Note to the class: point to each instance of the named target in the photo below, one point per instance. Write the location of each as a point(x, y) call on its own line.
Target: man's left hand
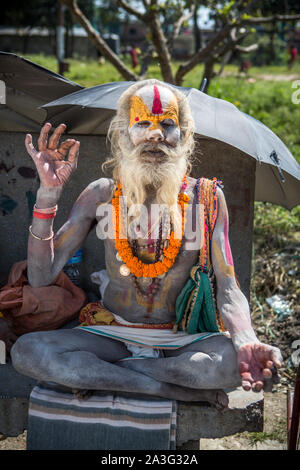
point(258, 364)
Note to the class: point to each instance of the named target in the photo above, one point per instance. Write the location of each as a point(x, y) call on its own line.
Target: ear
point(184, 135)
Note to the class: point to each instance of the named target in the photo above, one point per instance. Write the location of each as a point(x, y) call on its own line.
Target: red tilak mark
point(137, 119)
point(156, 107)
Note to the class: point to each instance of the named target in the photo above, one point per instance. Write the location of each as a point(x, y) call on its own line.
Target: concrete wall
point(40, 44)
point(19, 183)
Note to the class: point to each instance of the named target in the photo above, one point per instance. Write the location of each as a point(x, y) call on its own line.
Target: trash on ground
point(279, 306)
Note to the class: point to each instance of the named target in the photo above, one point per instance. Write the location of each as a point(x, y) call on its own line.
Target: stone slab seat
point(194, 420)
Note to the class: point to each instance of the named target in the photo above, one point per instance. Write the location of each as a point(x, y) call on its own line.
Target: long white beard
point(165, 176)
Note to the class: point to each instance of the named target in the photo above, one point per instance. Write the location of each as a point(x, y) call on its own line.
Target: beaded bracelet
point(40, 238)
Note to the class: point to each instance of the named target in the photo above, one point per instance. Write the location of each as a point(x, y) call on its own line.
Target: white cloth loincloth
point(141, 342)
point(153, 338)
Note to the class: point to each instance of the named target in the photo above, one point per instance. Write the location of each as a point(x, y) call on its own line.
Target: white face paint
point(154, 119)
point(154, 156)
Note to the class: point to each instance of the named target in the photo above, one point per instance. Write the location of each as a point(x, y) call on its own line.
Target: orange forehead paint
point(139, 111)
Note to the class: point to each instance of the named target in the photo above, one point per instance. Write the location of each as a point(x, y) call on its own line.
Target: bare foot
point(222, 400)
point(216, 398)
point(82, 394)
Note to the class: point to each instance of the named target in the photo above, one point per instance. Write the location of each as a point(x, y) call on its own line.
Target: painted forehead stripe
point(156, 107)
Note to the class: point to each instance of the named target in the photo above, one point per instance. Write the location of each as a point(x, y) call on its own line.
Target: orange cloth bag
point(39, 308)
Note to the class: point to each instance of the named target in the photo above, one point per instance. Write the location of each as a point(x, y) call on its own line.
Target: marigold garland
point(136, 266)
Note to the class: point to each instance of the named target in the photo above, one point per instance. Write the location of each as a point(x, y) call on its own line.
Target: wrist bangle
point(40, 238)
point(48, 210)
point(39, 215)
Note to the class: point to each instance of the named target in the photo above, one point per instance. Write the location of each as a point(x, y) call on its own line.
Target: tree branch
point(269, 19)
point(97, 40)
point(183, 69)
point(232, 44)
point(150, 18)
point(131, 10)
point(177, 25)
point(161, 47)
point(203, 53)
point(247, 49)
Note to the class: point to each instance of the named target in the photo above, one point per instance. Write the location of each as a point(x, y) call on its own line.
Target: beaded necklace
point(147, 287)
point(132, 265)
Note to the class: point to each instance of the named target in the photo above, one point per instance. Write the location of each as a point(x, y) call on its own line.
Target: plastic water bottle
point(73, 267)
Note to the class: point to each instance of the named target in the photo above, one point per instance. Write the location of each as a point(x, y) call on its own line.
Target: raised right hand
point(53, 170)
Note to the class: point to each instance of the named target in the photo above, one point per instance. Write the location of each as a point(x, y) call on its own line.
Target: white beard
point(164, 176)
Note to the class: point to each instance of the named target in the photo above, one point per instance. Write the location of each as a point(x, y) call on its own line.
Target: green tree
point(233, 19)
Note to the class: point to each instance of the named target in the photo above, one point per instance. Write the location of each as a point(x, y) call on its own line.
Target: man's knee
point(29, 352)
point(222, 358)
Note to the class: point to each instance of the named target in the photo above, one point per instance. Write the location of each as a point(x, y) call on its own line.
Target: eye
point(168, 123)
point(144, 123)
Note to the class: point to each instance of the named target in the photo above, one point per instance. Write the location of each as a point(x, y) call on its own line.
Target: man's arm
point(55, 163)
point(257, 361)
point(231, 302)
point(46, 258)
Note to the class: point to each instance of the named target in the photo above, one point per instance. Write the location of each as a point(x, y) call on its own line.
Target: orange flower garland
point(136, 266)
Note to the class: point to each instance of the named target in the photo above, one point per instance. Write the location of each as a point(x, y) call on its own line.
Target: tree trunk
point(272, 48)
point(226, 59)
point(160, 44)
point(146, 60)
point(26, 38)
point(197, 32)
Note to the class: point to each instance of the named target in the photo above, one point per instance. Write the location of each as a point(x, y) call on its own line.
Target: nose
point(155, 135)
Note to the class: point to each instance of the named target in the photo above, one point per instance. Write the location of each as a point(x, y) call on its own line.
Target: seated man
point(152, 144)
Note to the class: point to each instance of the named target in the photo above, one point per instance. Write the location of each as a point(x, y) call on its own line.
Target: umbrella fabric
point(97, 106)
point(277, 172)
point(28, 86)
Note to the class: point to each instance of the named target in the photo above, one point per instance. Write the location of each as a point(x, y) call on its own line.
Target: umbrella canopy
point(277, 172)
point(27, 87)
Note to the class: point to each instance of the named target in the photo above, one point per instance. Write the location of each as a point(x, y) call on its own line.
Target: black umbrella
point(25, 87)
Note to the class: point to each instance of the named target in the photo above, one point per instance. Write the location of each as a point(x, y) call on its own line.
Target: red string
point(38, 215)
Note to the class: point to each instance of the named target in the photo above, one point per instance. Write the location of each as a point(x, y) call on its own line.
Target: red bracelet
point(38, 215)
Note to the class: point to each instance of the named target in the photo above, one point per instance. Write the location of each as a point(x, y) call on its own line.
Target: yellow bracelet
point(40, 238)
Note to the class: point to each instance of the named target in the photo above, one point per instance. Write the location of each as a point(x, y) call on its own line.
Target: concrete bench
point(194, 420)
